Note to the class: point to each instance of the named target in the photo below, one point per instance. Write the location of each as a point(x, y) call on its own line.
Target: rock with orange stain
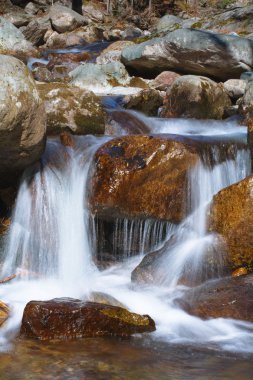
point(4, 312)
point(240, 272)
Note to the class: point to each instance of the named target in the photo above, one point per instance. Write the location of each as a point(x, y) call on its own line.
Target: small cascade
point(123, 238)
point(49, 235)
point(194, 255)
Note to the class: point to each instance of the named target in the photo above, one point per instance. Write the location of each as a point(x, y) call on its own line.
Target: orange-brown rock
point(240, 272)
point(68, 318)
point(231, 216)
point(141, 176)
point(225, 298)
point(4, 313)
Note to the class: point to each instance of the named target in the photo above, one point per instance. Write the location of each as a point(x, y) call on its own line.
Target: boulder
point(17, 17)
point(4, 313)
point(224, 298)
point(191, 96)
point(146, 101)
point(64, 19)
point(164, 80)
point(130, 170)
point(192, 52)
point(68, 318)
point(235, 88)
point(13, 42)
point(99, 77)
point(68, 108)
point(231, 216)
point(246, 103)
point(23, 123)
point(55, 40)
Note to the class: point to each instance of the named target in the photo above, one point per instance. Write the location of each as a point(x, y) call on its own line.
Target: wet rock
point(240, 272)
point(23, 126)
point(146, 101)
point(113, 52)
point(130, 170)
point(106, 299)
point(4, 313)
point(235, 88)
point(124, 123)
point(164, 80)
point(225, 298)
point(191, 51)
point(68, 108)
point(231, 216)
point(155, 267)
point(13, 42)
point(65, 19)
point(67, 318)
point(191, 96)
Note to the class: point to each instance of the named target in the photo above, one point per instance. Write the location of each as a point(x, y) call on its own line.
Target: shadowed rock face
point(231, 216)
point(226, 298)
point(141, 176)
point(68, 318)
point(192, 51)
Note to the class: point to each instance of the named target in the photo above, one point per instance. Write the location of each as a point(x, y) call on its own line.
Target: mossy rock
point(70, 108)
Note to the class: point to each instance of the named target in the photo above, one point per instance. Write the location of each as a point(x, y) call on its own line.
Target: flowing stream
point(51, 242)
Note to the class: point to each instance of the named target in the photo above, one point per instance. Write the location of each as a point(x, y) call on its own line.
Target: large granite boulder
point(68, 108)
point(23, 122)
point(68, 318)
point(192, 52)
point(191, 96)
point(230, 297)
point(141, 176)
point(231, 216)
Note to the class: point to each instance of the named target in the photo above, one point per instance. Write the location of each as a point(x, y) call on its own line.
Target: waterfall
point(49, 235)
point(194, 255)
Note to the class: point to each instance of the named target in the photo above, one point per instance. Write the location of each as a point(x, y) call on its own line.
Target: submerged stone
point(68, 318)
point(4, 313)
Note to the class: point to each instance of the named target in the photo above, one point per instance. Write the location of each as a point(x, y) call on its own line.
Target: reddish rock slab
point(68, 318)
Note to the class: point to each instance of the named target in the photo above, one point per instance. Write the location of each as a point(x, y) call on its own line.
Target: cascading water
point(193, 249)
point(50, 242)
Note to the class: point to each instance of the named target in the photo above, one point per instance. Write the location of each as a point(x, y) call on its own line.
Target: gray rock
point(23, 124)
point(246, 103)
point(192, 51)
point(17, 17)
point(92, 76)
point(168, 23)
point(65, 20)
point(235, 87)
point(12, 40)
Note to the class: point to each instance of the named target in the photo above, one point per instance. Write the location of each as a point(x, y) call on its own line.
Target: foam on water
point(49, 240)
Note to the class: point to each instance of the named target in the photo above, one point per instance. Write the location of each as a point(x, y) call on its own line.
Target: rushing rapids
point(52, 245)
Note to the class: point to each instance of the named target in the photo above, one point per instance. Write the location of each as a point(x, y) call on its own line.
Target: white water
point(49, 241)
